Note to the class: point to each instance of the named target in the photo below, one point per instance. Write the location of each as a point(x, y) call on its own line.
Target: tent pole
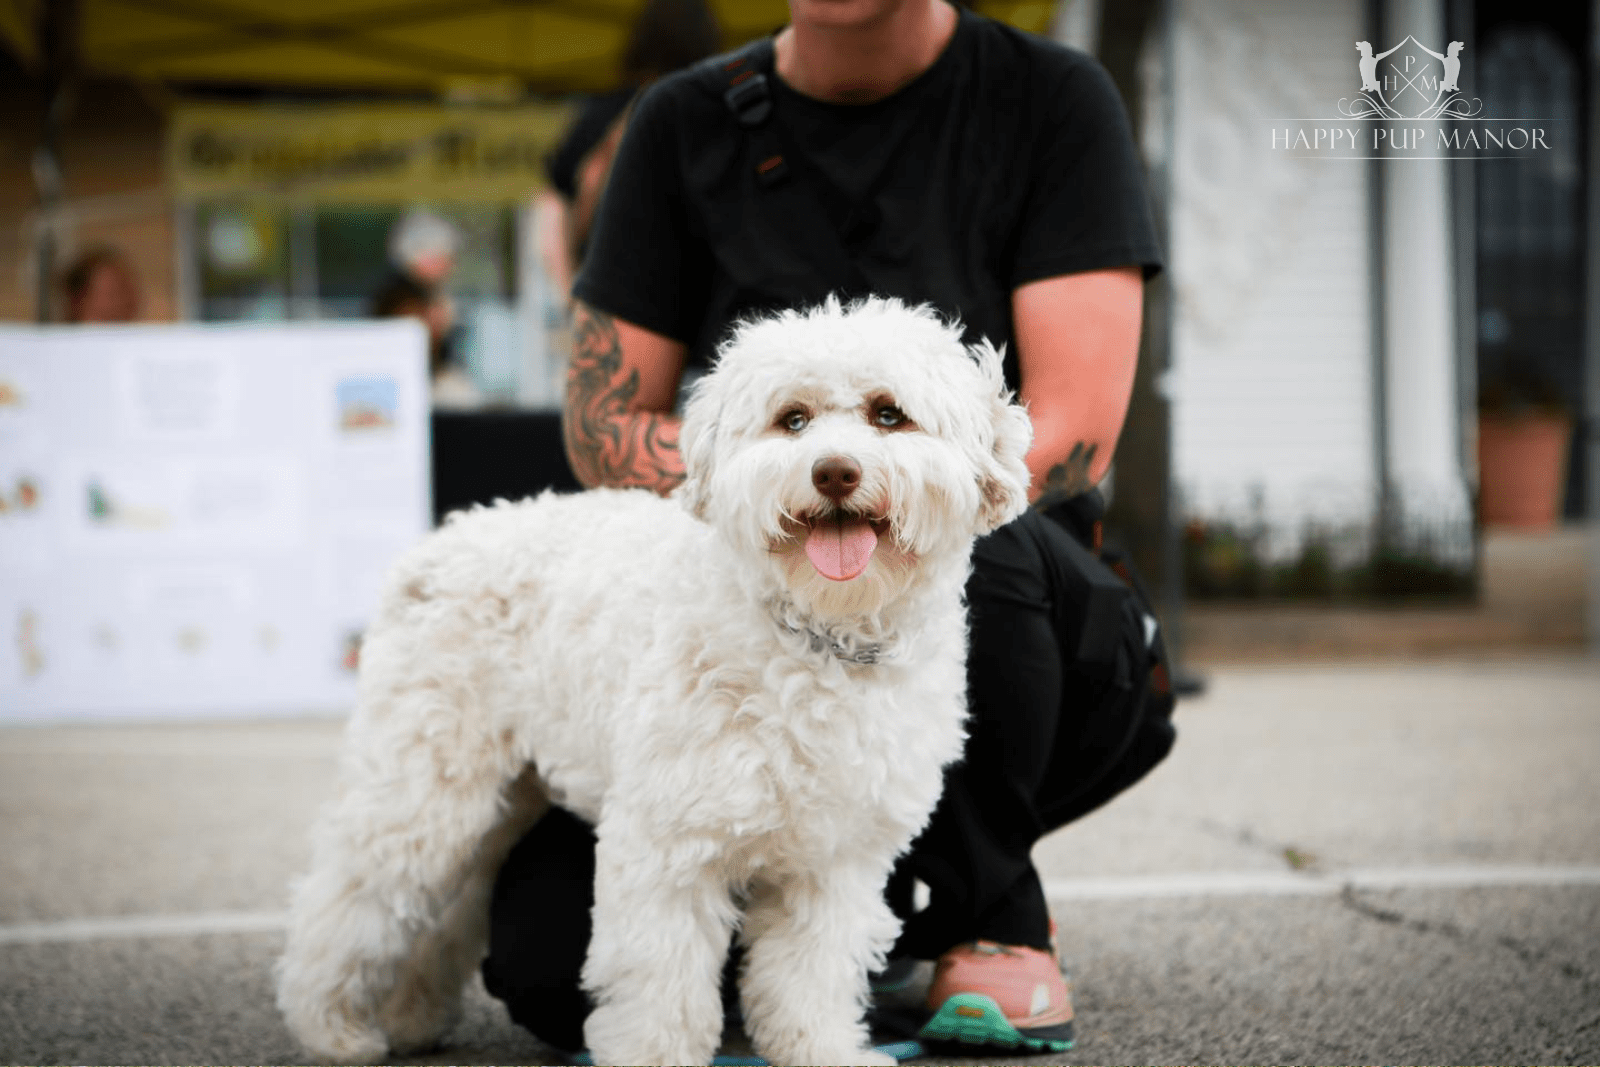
point(1590, 422)
point(58, 39)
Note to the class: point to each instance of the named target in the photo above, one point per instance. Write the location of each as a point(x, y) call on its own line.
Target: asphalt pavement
point(1394, 863)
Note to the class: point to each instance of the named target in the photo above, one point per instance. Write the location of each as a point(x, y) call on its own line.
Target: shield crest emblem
point(1407, 81)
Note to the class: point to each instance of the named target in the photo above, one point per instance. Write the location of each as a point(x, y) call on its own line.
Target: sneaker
point(1000, 996)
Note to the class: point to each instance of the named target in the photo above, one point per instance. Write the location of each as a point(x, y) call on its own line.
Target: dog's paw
point(350, 1046)
point(416, 1022)
point(415, 1045)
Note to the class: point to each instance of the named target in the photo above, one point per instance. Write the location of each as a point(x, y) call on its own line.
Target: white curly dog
point(750, 689)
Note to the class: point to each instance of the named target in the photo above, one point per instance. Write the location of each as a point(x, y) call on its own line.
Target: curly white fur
point(681, 675)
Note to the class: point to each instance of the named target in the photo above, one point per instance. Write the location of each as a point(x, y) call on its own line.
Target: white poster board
point(194, 520)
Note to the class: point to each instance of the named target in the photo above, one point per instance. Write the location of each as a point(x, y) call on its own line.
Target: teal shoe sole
point(974, 1019)
point(900, 1050)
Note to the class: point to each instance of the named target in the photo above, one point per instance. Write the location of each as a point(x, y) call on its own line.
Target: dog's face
point(849, 449)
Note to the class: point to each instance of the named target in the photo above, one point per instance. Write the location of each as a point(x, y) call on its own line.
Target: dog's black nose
point(836, 477)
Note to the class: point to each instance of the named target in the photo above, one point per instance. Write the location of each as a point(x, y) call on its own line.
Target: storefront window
point(351, 249)
point(275, 263)
point(243, 260)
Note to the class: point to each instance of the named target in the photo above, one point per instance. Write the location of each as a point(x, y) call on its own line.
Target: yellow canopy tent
point(460, 50)
point(548, 46)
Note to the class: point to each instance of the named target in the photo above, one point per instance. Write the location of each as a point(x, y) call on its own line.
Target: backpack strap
point(740, 78)
point(743, 81)
point(749, 97)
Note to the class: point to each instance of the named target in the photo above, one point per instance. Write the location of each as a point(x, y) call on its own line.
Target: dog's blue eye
point(888, 416)
point(794, 421)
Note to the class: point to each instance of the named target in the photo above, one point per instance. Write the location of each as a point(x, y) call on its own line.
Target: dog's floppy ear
point(1002, 473)
point(697, 442)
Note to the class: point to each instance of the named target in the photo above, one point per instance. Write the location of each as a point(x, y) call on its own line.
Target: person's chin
point(842, 14)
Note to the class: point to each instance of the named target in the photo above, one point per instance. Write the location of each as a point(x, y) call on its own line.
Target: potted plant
point(1524, 433)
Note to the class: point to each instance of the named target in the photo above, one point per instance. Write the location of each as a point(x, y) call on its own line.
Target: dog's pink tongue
point(840, 548)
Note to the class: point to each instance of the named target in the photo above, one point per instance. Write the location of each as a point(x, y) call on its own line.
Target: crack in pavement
point(1530, 955)
point(1293, 856)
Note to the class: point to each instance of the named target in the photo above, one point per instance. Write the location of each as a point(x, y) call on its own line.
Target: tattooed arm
point(616, 417)
point(1077, 339)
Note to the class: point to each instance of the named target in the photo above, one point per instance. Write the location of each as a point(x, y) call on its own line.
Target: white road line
point(125, 926)
point(1143, 887)
point(1314, 883)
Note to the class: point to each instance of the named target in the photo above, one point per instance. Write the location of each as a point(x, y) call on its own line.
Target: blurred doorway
point(1530, 218)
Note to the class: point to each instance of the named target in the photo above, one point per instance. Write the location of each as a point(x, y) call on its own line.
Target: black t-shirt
point(1007, 161)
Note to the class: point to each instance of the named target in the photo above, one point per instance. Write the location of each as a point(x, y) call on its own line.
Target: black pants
point(1062, 719)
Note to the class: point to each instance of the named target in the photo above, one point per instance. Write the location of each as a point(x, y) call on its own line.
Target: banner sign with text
point(361, 153)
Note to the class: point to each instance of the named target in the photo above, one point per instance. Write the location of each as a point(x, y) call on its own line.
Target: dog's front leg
point(662, 924)
point(810, 944)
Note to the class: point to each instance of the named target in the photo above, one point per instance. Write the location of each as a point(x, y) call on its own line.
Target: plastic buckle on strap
point(771, 170)
point(749, 99)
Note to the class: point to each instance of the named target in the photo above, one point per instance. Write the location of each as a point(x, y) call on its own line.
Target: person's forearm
point(1063, 462)
point(1075, 431)
point(609, 442)
point(1078, 344)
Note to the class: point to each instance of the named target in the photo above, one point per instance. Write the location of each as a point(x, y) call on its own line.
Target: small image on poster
point(25, 533)
point(30, 643)
point(19, 493)
point(366, 405)
point(350, 651)
point(127, 496)
point(28, 449)
point(23, 365)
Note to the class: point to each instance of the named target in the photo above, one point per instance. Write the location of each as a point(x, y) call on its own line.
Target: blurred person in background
point(913, 149)
point(667, 36)
point(423, 248)
point(100, 286)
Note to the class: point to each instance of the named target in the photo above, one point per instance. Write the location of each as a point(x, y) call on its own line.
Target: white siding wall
point(1272, 370)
